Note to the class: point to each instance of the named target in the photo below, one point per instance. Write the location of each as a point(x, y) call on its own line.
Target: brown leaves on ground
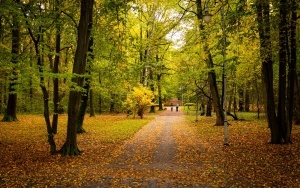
point(249, 161)
point(200, 159)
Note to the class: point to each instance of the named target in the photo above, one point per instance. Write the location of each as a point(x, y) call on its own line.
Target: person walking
point(171, 106)
point(177, 106)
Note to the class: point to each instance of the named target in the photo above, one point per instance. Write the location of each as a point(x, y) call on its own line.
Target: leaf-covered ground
point(171, 151)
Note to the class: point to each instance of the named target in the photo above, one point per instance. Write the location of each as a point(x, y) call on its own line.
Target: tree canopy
point(163, 45)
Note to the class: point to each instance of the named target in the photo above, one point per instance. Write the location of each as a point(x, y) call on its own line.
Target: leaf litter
point(193, 155)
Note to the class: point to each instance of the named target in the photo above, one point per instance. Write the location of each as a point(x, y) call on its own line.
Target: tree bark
point(84, 30)
point(247, 100)
point(112, 103)
point(55, 71)
point(282, 92)
point(216, 101)
point(92, 110)
point(85, 93)
point(291, 99)
point(152, 108)
point(160, 103)
point(263, 17)
point(208, 108)
point(11, 109)
point(83, 106)
point(100, 97)
point(215, 92)
point(297, 106)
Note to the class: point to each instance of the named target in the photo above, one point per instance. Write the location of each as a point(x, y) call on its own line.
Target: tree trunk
point(100, 104)
point(1, 96)
point(31, 82)
point(297, 106)
point(11, 109)
point(247, 100)
point(216, 101)
point(55, 71)
point(208, 108)
point(263, 17)
point(40, 64)
point(230, 103)
point(100, 97)
point(86, 87)
point(84, 30)
point(202, 108)
point(291, 99)
point(112, 103)
point(160, 103)
point(82, 108)
point(282, 92)
point(92, 111)
point(241, 100)
point(152, 108)
point(214, 92)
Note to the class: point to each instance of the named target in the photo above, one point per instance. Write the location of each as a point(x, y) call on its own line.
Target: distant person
point(177, 106)
point(171, 106)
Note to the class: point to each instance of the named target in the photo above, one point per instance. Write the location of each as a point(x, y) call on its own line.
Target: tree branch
point(76, 25)
point(202, 90)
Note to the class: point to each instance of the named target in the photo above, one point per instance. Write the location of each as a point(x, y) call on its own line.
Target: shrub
point(139, 100)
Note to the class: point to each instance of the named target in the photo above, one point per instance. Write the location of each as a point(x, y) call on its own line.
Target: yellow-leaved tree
point(139, 100)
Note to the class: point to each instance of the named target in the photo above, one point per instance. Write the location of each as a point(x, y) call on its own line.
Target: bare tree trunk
point(84, 30)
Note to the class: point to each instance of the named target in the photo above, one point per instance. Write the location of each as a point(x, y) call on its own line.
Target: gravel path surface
point(162, 154)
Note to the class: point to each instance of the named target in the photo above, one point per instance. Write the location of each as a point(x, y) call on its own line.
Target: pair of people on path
point(177, 106)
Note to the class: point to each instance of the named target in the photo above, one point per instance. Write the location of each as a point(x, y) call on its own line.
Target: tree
point(280, 124)
point(36, 30)
point(211, 74)
point(263, 18)
point(11, 109)
point(282, 92)
point(56, 69)
point(139, 100)
point(84, 31)
point(85, 93)
point(292, 66)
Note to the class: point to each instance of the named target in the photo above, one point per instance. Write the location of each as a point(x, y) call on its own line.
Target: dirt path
point(164, 153)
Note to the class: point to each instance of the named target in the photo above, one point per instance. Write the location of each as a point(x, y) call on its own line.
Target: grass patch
point(104, 128)
point(112, 129)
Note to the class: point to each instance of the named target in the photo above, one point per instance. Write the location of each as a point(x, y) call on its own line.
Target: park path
point(164, 153)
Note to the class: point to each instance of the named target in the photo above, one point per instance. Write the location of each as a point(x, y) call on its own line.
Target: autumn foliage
point(139, 100)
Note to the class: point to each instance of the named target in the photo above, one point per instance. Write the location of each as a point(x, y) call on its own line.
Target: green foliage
point(139, 100)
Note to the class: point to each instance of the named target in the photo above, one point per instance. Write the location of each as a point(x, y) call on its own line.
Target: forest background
point(55, 55)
